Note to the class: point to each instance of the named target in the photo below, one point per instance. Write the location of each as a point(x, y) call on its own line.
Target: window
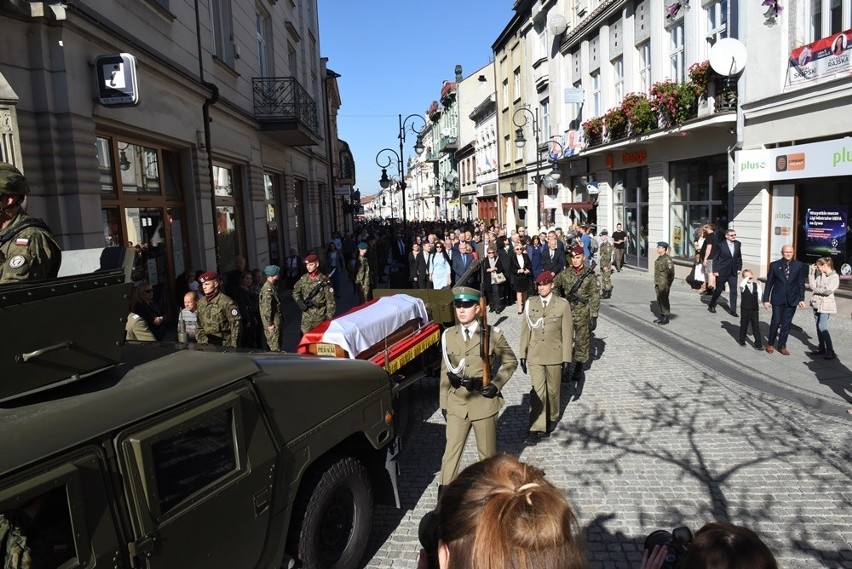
point(596, 94)
point(828, 17)
point(507, 149)
point(645, 67)
point(543, 44)
point(42, 525)
point(678, 69)
point(544, 114)
point(273, 217)
point(699, 195)
point(229, 228)
point(618, 78)
point(517, 92)
point(223, 34)
point(262, 33)
point(505, 93)
point(717, 21)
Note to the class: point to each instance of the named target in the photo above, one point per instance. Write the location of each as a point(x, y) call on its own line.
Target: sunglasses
point(464, 303)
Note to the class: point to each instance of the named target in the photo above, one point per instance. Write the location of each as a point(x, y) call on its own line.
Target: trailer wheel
point(333, 515)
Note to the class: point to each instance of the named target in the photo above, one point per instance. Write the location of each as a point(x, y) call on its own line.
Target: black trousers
point(494, 294)
point(750, 316)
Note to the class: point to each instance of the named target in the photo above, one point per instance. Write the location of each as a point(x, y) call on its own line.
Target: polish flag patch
point(22, 241)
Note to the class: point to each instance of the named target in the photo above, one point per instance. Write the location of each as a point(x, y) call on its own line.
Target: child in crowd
point(750, 293)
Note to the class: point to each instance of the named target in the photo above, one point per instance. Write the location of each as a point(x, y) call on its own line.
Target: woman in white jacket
point(823, 281)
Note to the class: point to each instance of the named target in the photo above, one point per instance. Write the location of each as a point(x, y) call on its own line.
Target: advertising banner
point(823, 59)
point(814, 160)
point(825, 231)
point(783, 219)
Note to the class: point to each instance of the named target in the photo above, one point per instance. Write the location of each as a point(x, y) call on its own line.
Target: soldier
point(663, 278)
point(585, 302)
point(218, 316)
point(466, 402)
point(270, 308)
point(547, 338)
point(28, 250)
point(605, 258)
point(314, 295)
point(363, 274)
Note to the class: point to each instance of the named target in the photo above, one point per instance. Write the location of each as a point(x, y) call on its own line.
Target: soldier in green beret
point(663, 279)
point(270, 308)
point(468, 403)
point(363, 274)
point(28, 250)
point(605, 251)
point(218, 316)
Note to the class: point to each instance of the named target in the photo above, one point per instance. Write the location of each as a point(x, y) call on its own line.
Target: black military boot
point(664, 319)
point(579, 379)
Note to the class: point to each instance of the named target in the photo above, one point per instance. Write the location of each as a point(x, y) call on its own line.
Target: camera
point(675, 542)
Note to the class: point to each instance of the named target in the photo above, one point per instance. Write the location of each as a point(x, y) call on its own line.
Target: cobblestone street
point(677, 425)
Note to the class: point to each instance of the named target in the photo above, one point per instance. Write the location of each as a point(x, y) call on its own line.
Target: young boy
point(749, 306)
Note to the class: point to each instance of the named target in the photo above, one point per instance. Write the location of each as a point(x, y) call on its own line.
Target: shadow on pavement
point(833, 374)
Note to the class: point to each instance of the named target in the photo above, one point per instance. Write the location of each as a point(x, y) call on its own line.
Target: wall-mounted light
point(123, 162)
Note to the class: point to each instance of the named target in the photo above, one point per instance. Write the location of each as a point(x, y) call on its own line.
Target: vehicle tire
point(332, 516)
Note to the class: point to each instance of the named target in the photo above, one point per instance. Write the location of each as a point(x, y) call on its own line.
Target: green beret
point(271, 270)
point(12, 181)
point(465, 293)
point(662, 244)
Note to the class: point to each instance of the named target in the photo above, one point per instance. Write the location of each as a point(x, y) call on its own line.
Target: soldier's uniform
point(469, 408)
point(547, 339)
point(218, 319)
point(363, 275)
point(605, 262)
point(136, 329)
point(663, 279)
point(270, 309)
point(584, 308)
point(321, 307)
point(28, 250)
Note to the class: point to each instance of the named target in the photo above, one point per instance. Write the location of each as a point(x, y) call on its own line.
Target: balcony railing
point(448, 144)
point(282, 104)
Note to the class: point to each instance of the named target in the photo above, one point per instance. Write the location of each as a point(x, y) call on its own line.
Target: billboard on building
point(823, 59)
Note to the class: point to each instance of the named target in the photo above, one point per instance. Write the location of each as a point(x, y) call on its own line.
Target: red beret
point(546, 277)
point(208, 276)
point(578, 250)
point(311, 258)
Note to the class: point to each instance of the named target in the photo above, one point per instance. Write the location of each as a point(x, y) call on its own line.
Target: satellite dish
point(728, 57)
point(557, 24)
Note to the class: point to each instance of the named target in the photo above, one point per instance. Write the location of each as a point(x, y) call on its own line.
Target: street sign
point(116, 76)
point(573, 95)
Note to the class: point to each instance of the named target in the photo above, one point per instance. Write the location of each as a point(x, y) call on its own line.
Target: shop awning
point(577, 205)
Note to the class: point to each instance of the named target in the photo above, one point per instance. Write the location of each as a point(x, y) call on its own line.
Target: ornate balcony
point(285, 110)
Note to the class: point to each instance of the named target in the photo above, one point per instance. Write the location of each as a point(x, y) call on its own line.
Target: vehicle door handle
point(261, 502)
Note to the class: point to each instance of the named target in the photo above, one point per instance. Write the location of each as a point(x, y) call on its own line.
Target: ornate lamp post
point(521, 117)
point(384, 181)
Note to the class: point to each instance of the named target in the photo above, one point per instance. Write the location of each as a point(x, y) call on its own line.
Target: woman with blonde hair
point(823, 281)
point(503, 514)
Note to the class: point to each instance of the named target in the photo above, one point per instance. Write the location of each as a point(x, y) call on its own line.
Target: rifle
point(485, 338)
point(571, 295)
point(471, 270)
point(306, 303)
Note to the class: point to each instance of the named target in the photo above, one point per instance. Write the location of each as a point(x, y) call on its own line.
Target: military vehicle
point(164, 455)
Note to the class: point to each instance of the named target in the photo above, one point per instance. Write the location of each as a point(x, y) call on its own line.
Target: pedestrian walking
point(705, 257)
point(547, 340)
point(363, 275)
point(578, 285)
point(823, 281)
point(28, 250)
point(751, 292)
point(727, 264)
point(663, 279)
point(270, 308)
point(314, 295)
point(467, 402)
point(496, 275)
point(520, 267)
point(218, 316)
point(605, 251)
point(785, 290)
point(619, 238)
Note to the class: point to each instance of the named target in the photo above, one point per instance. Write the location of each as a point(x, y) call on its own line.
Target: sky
point(393, 56)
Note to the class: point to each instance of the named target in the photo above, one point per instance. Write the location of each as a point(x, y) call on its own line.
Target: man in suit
point(547, 340)
point(727, 264)
point(461, 261)
point(466, 402)
point(417, 267)
point(552, 258)
point(785, 290)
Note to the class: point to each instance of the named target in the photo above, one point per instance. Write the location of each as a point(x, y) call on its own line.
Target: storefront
point(810, 196)
point(698, 195)
point(630, 209)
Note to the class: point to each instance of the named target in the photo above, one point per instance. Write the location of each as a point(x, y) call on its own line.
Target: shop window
point(110, 219)
point(273, 218)
point(823, 230)
point(229, 228)
point(698, 190)
point(105, 172)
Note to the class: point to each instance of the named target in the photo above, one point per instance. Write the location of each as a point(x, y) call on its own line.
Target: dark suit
point(784, 293)
point(726, 266)
point(555, 265)
point(417, 270)
point(460, 263)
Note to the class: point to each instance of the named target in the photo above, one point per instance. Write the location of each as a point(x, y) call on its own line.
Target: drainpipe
point(205, 114)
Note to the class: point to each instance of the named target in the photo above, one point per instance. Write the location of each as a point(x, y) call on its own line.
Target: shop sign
point(816, 160)
point(823, 59)
point(825, 231)
point(783, 217)
point(342, 190)
point(636, 157)
point(116, 80)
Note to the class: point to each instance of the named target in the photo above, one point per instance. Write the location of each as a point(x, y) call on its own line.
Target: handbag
point(499, 278)
point(698, 273)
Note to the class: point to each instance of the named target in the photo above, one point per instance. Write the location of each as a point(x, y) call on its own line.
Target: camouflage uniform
point(605, 258)
point(363, 278)
point(30, 253)
point(13, 544)
point(219, 322)
point(663, 278)
point(270, 315)
point(583, 310)
point(322, 305)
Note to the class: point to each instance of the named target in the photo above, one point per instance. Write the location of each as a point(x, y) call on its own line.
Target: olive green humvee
point(157, 455)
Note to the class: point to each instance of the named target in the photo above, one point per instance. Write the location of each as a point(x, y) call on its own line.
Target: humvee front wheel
point(333, 515)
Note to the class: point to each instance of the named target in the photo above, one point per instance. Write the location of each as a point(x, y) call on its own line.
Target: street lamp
point(384, 181)
point(521, 118)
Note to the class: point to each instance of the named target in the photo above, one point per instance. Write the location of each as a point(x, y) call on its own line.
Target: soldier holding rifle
point(314, 295)
point(477, 362)
point(579, 287)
